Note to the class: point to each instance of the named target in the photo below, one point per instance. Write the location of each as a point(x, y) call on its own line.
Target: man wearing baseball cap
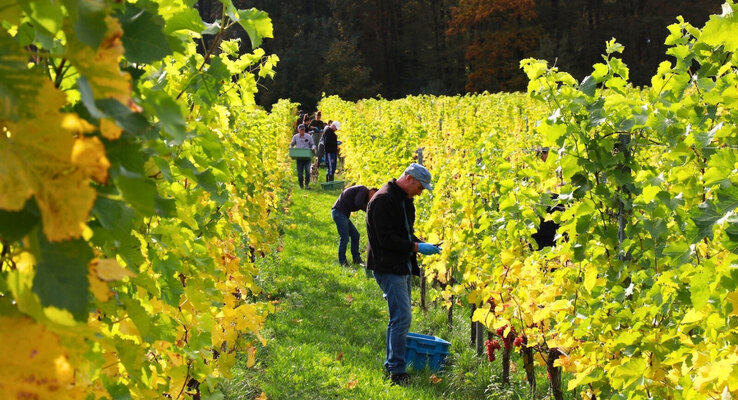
point(391, 255)
point(330, 139)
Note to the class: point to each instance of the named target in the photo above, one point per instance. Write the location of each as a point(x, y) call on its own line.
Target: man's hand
point(428, 249)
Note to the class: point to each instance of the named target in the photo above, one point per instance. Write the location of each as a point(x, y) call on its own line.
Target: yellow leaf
point(35, 364)
point(109, 270)
point(352, 384)
point(101, 66)
point(99, 289)
point(89, 154)
point(560, 305)
point(590, 278)
point(109, 129)
point(36, 160)
point(733, 300)
point(262, 396)
point(507, 257)
point(251, 353)
point(693, 316)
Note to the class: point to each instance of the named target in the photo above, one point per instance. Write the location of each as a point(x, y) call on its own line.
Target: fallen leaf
point(352, 384)
point(340, 356)
point(349, 299)
point(435, 380)
point(262, 396)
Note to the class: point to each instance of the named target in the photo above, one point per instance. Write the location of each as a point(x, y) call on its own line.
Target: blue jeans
point(303, 166)
point(396, 289)
point(330, 162)
point(346, 231)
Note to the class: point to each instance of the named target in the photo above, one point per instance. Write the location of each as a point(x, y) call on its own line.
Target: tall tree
point(500, 33)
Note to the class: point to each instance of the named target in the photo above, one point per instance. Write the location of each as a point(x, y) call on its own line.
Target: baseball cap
point(336, 124)
point(301, 126)
point(420, 173)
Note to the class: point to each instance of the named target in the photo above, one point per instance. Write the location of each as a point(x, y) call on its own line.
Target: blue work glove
point(428, 249)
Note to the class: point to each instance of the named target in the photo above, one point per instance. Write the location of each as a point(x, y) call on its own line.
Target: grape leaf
point(15, 225)
point(36, 159)
point(61, 275)
point(19, 86)
point(143, 37)
point(101, 65)
point(90, 23)
point(184, 19)
point(35, 363)
point(720, 30)
point(257, 24)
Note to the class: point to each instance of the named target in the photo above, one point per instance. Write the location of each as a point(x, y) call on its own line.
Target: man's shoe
point(402, 379)
point(343, 263)
point(359, 261)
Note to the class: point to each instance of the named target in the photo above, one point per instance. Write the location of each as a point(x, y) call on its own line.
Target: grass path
point(326, 339)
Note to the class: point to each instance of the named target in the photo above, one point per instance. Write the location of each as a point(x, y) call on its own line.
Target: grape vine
point(138, 182)
point(638, 297)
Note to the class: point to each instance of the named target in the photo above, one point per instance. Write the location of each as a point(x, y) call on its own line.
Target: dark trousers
point(303, 172)
point(330, 161)
point(346, 232)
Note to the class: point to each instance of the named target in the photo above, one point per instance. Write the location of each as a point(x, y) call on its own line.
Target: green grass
point(326, 339)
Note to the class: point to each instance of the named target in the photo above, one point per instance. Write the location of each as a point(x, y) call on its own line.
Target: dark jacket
point(331, 140)
point(390, 246)
point(352, 199)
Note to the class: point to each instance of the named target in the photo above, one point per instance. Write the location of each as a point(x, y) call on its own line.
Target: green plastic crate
point(332, 185)
point(301, 153)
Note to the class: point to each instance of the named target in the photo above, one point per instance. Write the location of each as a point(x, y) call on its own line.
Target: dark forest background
point(394, 48)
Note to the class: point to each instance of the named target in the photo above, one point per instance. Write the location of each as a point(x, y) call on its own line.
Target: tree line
point(394, 48)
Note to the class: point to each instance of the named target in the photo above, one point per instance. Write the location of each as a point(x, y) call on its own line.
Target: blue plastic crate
point(425, 350)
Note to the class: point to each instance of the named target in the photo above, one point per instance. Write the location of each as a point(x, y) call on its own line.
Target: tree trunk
point(554, 374)
point(530, 373)
point(506, 365)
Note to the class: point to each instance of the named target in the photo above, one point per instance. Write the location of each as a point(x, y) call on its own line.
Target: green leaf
point(15, 225)
point(143, 36)
point(90, 26)
point(46, 14)
point(18, 84)
point(699, 288)
point(588, 86)
point(207, 181)
point(12, 12)
point(720, 30)
point(169, 113)
point(61, 275)
point(165, 208)
point(720, 167)
point(140, 318)
point(127, 119)
point(257, 24)
point(139, 191)
point(118, 391)
point(186, 19)
point(113, 214)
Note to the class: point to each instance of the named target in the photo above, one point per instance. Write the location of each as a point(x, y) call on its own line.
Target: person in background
point(391, 255)
point(317, 124)
point(330, 139)
point(302, 140)
point(352, 199)
point(300, 117)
